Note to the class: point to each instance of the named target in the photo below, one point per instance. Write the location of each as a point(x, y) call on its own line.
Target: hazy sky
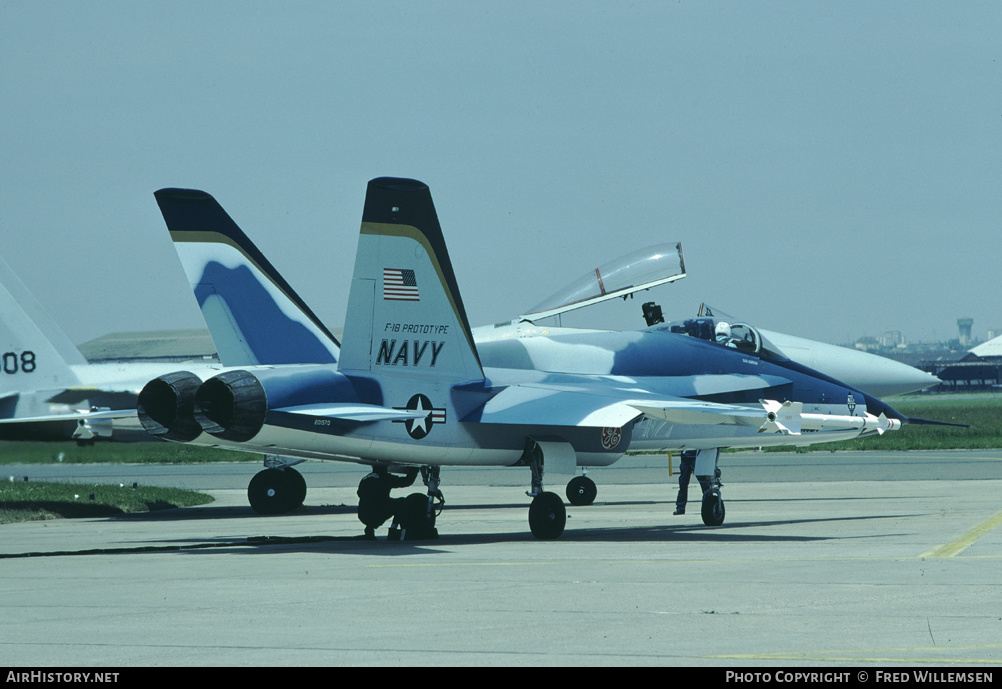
point(832, 169)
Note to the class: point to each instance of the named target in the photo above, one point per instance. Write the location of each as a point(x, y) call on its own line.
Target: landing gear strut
point(430, 476)
point(547, 514)
point(415, 521)
point(707, 472)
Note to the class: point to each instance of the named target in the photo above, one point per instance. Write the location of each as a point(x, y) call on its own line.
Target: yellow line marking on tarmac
point(958, 546)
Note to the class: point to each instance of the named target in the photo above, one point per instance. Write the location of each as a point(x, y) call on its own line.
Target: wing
point(615, 405)
point(609, 401)
point(536, 405)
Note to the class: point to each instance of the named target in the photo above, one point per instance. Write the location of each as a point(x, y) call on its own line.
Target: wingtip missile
point(788, 418)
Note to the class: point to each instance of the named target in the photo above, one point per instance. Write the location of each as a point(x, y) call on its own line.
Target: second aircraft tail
point(253, 314)
point(34, 352)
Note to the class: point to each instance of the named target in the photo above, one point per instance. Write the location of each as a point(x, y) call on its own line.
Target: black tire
point(547, 516)
point(271, 492)
point(713, 509)
point(581, 490)
point(414, 519)
point(413, 511)
point(298, 486)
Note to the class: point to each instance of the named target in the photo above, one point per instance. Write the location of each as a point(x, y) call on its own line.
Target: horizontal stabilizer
point(356, 412)
point(70, 416)
point(79, 393)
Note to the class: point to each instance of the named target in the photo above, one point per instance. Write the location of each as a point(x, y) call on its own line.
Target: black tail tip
point(398, 184)
point(399, 201)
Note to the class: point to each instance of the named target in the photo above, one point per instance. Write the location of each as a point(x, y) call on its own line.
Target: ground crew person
point(686, 467)
point(375, 505)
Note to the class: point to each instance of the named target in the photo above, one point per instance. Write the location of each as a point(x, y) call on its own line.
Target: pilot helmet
point(722, 330)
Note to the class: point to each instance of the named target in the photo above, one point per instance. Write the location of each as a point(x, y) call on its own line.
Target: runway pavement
point(886, 561)
point(739, 467)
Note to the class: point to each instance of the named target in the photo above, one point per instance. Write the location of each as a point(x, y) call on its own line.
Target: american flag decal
point(399, 285)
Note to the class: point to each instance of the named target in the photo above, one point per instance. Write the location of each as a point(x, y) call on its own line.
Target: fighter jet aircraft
point(410, 386)
point(48, 391)
point(643, 269)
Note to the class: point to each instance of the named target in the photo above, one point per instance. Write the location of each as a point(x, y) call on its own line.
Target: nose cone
point(886, 377)
point(875, 375)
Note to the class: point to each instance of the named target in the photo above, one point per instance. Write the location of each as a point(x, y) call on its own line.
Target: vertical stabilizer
point(34, 353)
point(405, 314)
point(253, 314)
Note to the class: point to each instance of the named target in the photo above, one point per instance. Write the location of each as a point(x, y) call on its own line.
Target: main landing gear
point(416, 521)
point(707, 472)
point(547, 514)
point(278, 489)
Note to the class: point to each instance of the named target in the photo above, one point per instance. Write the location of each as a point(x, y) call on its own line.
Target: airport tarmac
point(852, 559)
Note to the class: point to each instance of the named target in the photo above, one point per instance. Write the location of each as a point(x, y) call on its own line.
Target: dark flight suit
point(375, 505)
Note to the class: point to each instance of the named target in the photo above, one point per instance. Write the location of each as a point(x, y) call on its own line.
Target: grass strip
point(38, 500)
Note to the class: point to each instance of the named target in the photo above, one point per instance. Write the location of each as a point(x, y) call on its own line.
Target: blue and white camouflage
point(411, 383)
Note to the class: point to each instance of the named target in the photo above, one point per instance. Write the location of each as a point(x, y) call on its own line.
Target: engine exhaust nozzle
point(166, 407)
point(231, 406)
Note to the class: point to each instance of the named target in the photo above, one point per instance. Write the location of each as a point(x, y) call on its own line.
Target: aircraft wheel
point(298, 485)
point(713, 509)
point(414, 518)
point(547, 516)
point(581, 490)
point(271, 492)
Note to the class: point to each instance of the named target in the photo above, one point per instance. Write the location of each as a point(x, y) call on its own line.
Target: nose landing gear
point(581, 490)
point(713, 508)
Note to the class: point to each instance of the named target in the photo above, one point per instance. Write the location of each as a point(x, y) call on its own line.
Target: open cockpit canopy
point(638, 270)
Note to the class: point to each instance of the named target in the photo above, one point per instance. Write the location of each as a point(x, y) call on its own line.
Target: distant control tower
point(964, 324)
